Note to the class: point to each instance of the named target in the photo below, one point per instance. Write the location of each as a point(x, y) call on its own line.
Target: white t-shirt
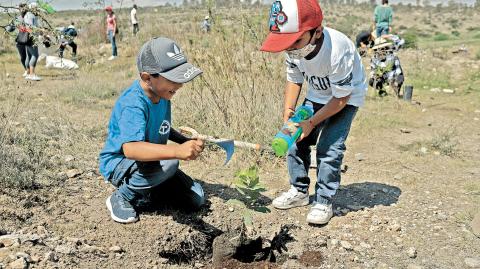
point(336, 71)
point(133, 16)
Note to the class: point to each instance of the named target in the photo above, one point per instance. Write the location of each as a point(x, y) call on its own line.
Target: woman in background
point(21, 45)
point(111, 30)
point(31, 22)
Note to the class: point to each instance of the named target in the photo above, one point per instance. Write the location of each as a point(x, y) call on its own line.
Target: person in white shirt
point(336, 86)
point(134, 20)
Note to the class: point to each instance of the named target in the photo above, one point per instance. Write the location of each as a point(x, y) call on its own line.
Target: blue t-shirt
point(134, 118)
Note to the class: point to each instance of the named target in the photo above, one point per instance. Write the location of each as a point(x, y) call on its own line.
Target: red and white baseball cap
point(289, 19)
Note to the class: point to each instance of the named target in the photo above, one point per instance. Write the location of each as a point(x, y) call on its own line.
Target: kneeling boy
point(136, 158)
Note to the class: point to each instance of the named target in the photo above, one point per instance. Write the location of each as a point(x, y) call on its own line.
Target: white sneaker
point(33, 77)
point(291, 198)
point(25, 74)
point(320, 214)
point(111, 58)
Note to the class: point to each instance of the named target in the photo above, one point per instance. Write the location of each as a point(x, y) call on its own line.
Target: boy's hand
point(189, 150)
point(307, 127)
point(287, 114)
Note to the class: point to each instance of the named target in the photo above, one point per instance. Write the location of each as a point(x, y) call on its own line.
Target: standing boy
point(136, 157)
point(328, 61)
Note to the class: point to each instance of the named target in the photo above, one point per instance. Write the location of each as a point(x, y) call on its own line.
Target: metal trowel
point(227, 144)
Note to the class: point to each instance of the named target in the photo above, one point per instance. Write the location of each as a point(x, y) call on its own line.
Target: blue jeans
point(111, 37)
point(330, 149)
point(382, 30)
point(161, 182)
point(32, 56)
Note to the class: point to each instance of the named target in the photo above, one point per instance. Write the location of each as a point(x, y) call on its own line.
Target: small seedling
point(247, 183)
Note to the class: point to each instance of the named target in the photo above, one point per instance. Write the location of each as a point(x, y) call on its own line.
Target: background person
point(111, 31)
point(206, 24)
point(134, 20)
point(31, 22)
point(21, 44)
point(67, 39)
point(364, 41)
point(383, 18)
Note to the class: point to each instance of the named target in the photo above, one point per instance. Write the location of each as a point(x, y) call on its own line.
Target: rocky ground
point(403, 203)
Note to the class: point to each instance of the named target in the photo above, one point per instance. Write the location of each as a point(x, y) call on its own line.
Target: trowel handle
point(247, 145)
point(194, 134)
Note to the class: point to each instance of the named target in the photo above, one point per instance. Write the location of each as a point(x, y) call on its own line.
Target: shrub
point(441, 37)
point(22, 151)
point(410, 39)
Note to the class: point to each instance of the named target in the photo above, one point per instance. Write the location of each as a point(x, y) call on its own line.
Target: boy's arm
point(114, 25)
point(390, 18)
point(292, 91)
point(292, 88)
point(177, 137)
point(146, 152)
point(332, 107)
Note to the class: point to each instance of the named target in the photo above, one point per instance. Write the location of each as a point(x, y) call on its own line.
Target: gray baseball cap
point(163, 56)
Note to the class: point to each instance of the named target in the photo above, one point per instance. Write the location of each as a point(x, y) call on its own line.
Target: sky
point(79, 4)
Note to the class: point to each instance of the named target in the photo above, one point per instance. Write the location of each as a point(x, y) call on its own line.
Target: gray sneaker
point(120, 209)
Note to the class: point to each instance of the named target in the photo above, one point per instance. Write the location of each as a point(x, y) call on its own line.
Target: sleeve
point(390, 17)
point(293, 72)
point(132, 125)
point(342, 75)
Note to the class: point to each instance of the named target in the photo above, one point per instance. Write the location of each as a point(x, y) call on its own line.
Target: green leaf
point(262, 209)
point(259, 188)
point(241, 184)
point(252, 172)
point(240, 190)
point(236, 202)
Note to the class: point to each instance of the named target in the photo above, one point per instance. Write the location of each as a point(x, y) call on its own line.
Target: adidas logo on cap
point(177, 54)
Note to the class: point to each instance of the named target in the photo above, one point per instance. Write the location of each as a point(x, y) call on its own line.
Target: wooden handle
point(194, 134)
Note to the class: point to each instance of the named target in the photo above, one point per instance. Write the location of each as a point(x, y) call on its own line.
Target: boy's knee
point(169, 167)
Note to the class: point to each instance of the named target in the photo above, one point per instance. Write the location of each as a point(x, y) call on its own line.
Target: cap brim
point(182, 73)
point(276, 42)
